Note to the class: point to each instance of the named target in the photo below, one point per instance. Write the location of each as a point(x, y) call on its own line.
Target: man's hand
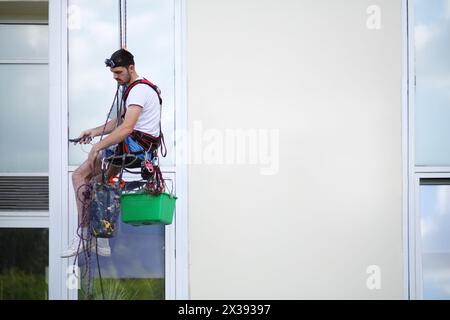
point(87, 136)
point(92, 157)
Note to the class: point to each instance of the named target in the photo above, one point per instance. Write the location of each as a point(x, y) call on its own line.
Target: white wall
point(313, 70)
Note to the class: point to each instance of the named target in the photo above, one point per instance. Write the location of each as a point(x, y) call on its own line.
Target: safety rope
point(120, 24)
point(123, 24)
point(84, 227)
point(85, 237)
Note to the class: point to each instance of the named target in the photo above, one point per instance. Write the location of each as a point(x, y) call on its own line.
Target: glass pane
point(24, 11)
point(23, 264)
point(134, 271)
point(24, 42)
point(151, 39)
point(24, 121)
point(91, 86)
point(432, 49)
point(435, 244)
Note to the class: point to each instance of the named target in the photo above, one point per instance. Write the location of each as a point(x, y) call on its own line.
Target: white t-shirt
point(143, 95)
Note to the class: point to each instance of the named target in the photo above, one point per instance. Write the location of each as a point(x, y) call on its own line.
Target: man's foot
point(103, 247)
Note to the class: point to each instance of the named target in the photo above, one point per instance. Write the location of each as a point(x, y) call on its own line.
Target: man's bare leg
point(82, 176)
point(80, 179)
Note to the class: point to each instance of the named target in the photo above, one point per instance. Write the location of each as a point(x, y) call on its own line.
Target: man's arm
point(118, 134)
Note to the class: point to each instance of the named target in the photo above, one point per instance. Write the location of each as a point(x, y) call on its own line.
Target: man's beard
point(128, 78)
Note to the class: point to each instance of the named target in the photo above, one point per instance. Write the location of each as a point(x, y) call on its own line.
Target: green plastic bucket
point(144, 208)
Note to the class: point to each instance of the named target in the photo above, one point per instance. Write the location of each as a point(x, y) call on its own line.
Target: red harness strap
point(146, 140)
point(145, 81)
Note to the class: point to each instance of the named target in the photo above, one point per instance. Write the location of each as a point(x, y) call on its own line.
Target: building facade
point(306, 146)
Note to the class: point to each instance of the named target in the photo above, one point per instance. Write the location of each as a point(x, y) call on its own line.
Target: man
point(139, 131)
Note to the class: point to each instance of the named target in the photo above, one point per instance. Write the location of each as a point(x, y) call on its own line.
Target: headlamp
point(110, 63)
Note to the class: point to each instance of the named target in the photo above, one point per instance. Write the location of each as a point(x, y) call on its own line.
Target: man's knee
point(79, 176)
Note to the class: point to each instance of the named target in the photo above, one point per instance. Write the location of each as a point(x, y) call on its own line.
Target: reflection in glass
point(432, 67)
point(135, 269)
point(435, 244)
point(23, 264)
point(24, 42)
point(24, 122)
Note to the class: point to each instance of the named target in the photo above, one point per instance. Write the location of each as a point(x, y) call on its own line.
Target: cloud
point(431, 55)
point(435, 221)
point(440, 275)
point(443, 200)
point(427, 227)
point(423, 34)
point(37, 37)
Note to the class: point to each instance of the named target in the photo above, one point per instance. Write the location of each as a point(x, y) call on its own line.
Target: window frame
point(24, 219)
point(32, 219)
point(416, 252)
point(412, 230)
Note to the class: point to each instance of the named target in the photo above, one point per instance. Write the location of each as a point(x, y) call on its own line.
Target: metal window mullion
point(22, 61)
point(19, 22)
point(24, 222)
point(23, 174)
point(181, 175)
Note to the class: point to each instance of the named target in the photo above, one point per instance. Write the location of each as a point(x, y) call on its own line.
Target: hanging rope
point(120, 24)
point(123, 24)
point(84, 192)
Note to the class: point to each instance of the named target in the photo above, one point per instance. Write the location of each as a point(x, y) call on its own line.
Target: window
point(24, 243)
point(137, 266)
point(24, 86)
point(429, 210)
point(150, 37)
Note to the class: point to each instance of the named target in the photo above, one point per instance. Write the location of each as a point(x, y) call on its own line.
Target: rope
point(123, 24)
point(120, 23)
point(109, 113)
point(85, 197)
point(86, 239)
point(99, 272)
